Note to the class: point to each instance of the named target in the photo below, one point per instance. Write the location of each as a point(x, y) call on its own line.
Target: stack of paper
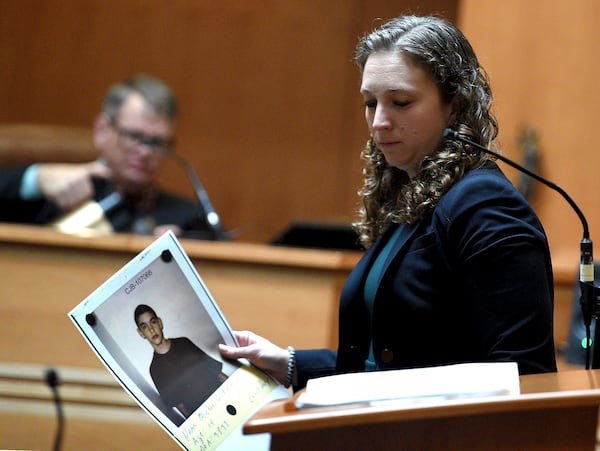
point(419, 384)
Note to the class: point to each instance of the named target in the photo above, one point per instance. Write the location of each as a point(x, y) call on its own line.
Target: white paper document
point(412, 385)
point(156, 328)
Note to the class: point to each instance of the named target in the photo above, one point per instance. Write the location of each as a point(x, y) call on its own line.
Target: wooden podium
point(556, 411)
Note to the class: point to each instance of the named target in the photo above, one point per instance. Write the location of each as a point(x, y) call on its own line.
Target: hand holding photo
point(157, 329)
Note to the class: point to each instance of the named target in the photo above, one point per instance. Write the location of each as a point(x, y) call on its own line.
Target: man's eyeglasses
point(135, 138)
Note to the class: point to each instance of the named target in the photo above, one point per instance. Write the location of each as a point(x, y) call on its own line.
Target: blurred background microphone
point(210, 215)
point(53, 382)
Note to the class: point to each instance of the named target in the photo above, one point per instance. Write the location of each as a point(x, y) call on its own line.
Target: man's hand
point(68, 185)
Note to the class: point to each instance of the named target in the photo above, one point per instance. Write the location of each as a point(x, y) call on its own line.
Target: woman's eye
point(370, 103)
point(401, 103)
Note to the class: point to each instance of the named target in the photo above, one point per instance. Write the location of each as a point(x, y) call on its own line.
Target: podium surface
point(556, 411)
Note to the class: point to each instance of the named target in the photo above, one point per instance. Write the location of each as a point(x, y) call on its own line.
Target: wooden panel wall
point(271, 116)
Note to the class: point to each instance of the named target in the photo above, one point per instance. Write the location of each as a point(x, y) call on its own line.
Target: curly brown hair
point(388, 195)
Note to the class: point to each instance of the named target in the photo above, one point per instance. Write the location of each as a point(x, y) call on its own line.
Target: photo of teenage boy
point(184, 375)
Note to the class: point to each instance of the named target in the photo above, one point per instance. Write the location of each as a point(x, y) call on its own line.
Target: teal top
point(372, 283)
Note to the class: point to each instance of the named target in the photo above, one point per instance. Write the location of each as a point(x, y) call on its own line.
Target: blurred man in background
point(134, 132)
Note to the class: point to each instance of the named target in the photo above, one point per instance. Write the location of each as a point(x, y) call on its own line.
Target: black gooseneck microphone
point(212, 218)
point(53, 382)
point(589, 292)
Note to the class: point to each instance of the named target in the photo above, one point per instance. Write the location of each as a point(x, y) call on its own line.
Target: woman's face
point(404, 110)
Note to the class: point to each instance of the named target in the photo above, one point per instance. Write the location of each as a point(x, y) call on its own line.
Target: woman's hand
point(261, 352)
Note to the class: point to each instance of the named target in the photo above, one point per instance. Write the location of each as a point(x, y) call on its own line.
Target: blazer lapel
point(401, 242)
point(399, 246)
point(358, 276)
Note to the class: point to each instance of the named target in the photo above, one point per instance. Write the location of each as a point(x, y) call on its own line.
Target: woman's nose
point(381, 119)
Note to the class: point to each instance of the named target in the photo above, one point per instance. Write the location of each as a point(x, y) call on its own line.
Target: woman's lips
point(387, 144)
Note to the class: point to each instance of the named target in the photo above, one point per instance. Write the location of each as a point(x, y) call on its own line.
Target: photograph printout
point(156, 327)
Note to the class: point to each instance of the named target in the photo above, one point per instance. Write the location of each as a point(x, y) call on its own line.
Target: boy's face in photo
point(150, 327)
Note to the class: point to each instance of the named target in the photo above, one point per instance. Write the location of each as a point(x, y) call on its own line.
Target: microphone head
point(52, 378)
point(449, 133)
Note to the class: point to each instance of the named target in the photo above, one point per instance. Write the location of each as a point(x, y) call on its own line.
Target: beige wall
point(271, 115)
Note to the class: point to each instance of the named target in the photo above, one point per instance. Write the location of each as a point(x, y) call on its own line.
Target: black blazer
point(472, 281)
point(12, 208)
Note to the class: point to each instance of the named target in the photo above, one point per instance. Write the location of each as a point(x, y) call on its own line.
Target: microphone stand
point(212, 218)
point(589, 291)
point(53, 382)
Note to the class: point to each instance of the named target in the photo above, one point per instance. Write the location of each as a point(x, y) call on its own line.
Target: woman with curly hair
point(457, 267)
